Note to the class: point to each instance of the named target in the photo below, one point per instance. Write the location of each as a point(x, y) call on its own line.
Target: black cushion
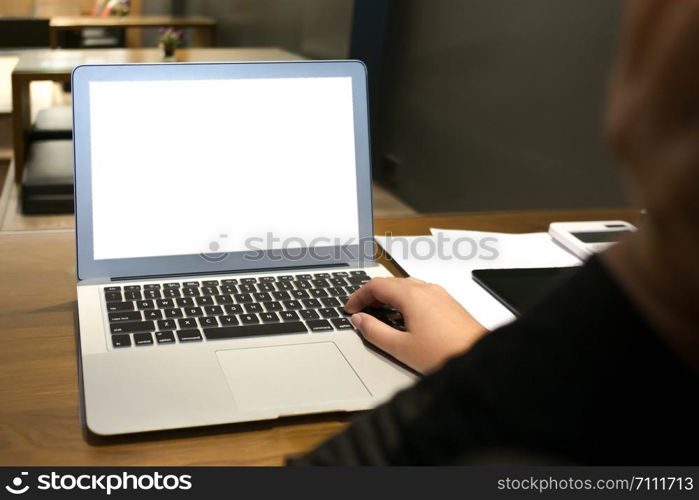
point(53, 123)
point(47, 184)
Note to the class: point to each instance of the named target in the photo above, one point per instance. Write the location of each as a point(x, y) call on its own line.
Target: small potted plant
point(168, 40)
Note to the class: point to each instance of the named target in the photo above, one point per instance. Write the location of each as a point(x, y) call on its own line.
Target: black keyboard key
point(328, 312)
point(262, 296)
point(185, 302)
point(284, 285)
point(166, 324)
point(269, 317)
point(152, 294)
point(340, 274)
point(286, 277)
point(331, 302)
point(145, 304)
point(338, 282)
point(273, 306)
point(121, 340)
point(152, 286)
point(351, 289)
point(165, 337)
point(336, 291)
point(132, 327)
point(248, 280)
point(209, 290)
point(299, 294)
point(267, 279)
point(247, 288)
point(309, 314)
point(343, 299)
point(288, 315)
point(113, 296)
point(112, 289)
point(358, 273)
point(173, 313)
point(115, 317)
point(341, 324)
point(193, 311)
point(321, 275)
point(172, 285)
point(255, 307)
point(311, 303)
point(303, 277)
point(265, 287)
point(191, 283)
point(143, 339)
point(131, 288)
point(152, 314)
point(187, 323)
point(318, 292)
point(133, 295)
point(230, 281)
point(358, 280)
point(208, 321)
point(205, 301)
point(210, 283)
point(171, 293)
point(319, 325)
point(233, 309)
point(189, 335)
point(190, 291)
point(229, 289)
point(120, 306)
point(254, 330)
point(292, 304)
point(224, 299)
point(242, 298)
point(248, 319)
point(303, 284)
point(281, 295)
point(165, 303)
point(213, 310)
point(228, 320)
point(320, 283)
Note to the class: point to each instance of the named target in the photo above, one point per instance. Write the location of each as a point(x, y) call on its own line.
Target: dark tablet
point(517, 289)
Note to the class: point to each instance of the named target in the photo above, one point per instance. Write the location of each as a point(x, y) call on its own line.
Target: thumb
point(379, 333)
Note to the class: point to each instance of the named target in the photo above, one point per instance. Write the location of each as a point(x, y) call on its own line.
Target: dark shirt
point(581, 378)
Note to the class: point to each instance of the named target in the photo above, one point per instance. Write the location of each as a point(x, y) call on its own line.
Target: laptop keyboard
point(194, 311)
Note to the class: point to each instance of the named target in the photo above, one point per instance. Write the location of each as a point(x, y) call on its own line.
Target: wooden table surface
point(39, 410)
point(205, 26)
point(58, 64)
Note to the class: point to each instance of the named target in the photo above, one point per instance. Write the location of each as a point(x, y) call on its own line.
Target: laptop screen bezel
point(88, 267)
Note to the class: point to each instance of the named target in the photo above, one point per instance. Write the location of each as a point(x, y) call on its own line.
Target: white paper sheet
point(456, 253)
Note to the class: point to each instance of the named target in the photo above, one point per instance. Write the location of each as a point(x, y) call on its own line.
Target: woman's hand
point(437, 327)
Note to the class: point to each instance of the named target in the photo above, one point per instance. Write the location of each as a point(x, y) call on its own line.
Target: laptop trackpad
point(290, 376)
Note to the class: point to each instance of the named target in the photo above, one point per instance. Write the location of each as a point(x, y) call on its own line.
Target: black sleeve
point(580, 377)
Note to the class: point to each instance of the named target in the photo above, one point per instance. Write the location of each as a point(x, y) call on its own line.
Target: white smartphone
point(586, 238)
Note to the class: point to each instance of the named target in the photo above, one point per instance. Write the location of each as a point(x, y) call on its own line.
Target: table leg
point(53, 37)
point(20, 120)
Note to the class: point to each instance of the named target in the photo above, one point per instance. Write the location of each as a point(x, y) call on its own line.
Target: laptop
point(223, 215)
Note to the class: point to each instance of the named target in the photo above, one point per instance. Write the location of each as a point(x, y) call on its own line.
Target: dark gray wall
point(496, 104)
point(314, 28)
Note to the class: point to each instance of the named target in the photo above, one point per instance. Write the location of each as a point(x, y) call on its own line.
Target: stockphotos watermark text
point(443, 247)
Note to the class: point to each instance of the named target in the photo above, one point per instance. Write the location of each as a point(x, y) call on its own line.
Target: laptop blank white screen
point(197, 166)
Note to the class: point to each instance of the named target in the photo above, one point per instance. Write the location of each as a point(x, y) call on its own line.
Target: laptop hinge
point(212, 273)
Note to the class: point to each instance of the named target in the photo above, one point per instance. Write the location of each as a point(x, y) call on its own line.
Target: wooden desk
point(57, 65)
point(204, 27)
point(39, 422)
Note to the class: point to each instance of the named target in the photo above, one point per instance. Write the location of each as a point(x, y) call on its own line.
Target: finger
point(380, 334)
point(390, 291)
